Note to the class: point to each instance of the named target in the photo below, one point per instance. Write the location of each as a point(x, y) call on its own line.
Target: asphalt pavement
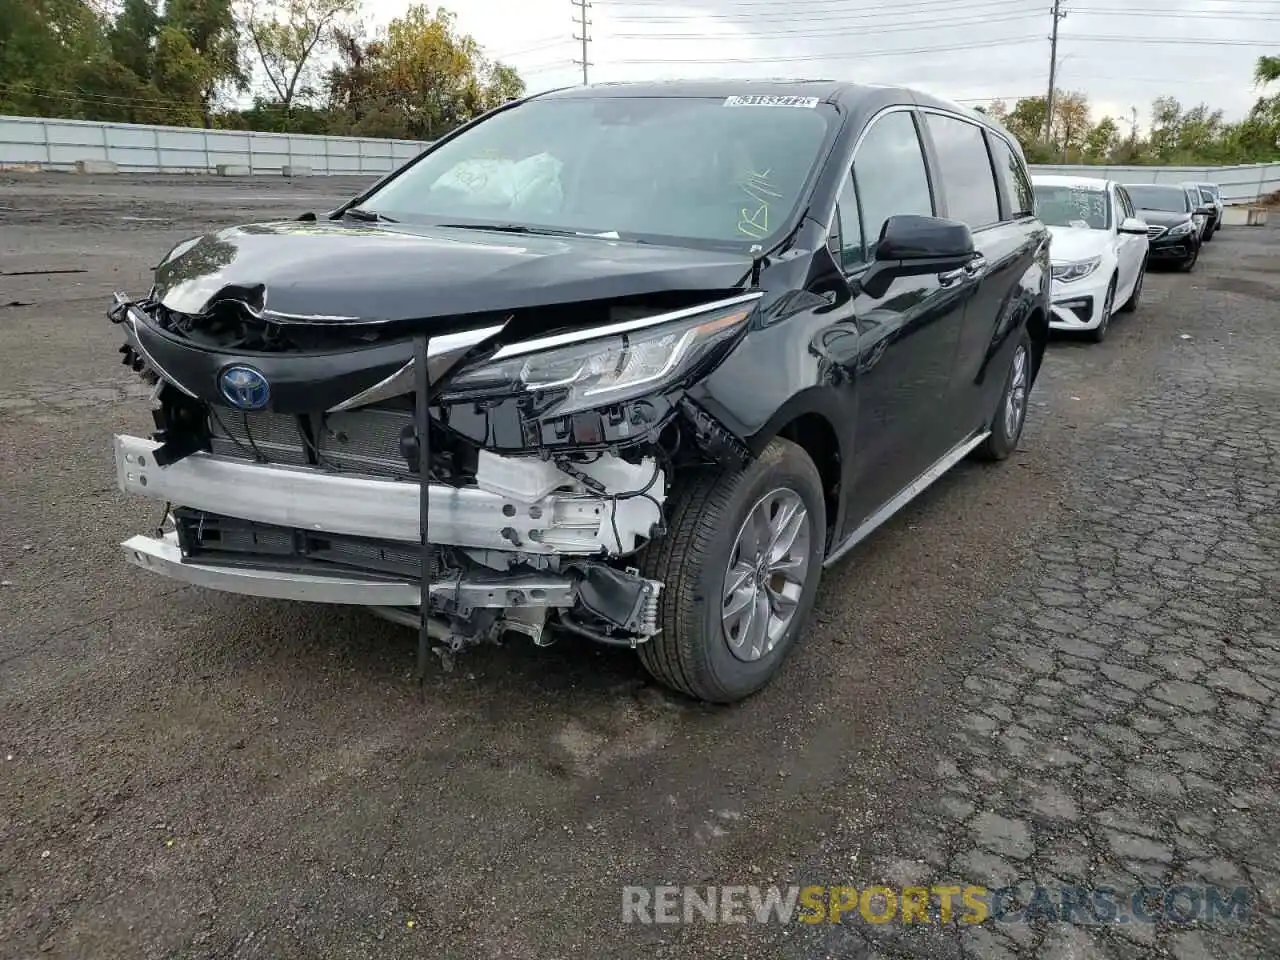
point(1062, 672)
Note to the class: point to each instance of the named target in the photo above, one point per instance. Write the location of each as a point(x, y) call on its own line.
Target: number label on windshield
point(809, 103)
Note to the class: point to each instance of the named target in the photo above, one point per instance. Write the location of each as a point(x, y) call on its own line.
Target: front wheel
point(741, 564)
point(1011, 415)
point(1099, 333)
point(1189, 264)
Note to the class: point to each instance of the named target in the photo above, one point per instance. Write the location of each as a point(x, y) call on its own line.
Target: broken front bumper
point(515, 508)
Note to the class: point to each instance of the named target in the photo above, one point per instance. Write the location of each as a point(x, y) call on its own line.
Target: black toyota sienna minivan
point(631, 363)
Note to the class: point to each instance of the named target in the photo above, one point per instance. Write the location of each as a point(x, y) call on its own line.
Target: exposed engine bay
point(290, 461)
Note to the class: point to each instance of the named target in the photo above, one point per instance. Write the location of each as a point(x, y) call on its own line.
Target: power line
point(541, 45)
point(927, 8)
point(1250, 17)
point(847, 55)
point(1193, 41)
point(809, 32)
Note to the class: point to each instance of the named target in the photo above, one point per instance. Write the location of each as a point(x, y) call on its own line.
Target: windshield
point(1083, 207)
point(1151, 197)
point(711, 171)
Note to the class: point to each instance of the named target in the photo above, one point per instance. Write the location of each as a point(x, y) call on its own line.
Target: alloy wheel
point(765, 579)
point(1015, 406)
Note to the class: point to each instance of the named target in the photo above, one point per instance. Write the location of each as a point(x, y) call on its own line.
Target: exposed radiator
point(358, 441)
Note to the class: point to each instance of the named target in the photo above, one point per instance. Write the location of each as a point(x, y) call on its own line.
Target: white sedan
point(1098, 249)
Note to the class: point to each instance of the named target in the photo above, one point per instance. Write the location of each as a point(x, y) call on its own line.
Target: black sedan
point(632, 363)
point(1173, 235)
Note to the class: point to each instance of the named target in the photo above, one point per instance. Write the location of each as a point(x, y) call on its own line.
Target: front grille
point(359, 441)
point(212, 538)
point(1155, 231)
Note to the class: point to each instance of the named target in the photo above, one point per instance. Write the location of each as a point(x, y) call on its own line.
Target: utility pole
point(1058, 15)
point(580, 20)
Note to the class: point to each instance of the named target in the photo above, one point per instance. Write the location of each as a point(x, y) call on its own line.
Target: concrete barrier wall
point(135, 148)
point(1240, 184)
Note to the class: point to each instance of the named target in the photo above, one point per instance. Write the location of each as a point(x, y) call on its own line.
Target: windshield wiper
point(523, 228)
point(369, 216)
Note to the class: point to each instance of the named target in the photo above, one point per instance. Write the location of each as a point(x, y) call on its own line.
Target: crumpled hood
point(1069, 244)
point(343, 272)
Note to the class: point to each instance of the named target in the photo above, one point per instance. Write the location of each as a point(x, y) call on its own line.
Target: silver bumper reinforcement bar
point(162, 555)
point(310, 499)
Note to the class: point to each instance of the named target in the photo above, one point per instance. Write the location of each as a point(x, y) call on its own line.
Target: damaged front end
point(460, 475)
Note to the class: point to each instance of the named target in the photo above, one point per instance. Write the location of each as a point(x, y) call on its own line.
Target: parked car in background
point(1211, 196)
point(1098, 251)
point(1200, 212)
point(632, 362)
point(1172, 233)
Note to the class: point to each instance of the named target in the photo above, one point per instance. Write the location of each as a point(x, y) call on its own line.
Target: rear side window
point(965, 169)
point(1017, 184)
point(890, 173)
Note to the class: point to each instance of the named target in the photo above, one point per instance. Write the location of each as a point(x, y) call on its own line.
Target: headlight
point(606, 369)
point(1182, 229)
point(1067, 272)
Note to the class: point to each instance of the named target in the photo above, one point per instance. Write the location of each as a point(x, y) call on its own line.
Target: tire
point(1189, 264)
point(1099, 333)
point(1208, 234)
point(694, 653)
point(1004, 437)
point(1130, 305)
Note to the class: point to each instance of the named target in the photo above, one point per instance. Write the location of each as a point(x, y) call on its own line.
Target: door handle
point(948, 277)
point(977, 266)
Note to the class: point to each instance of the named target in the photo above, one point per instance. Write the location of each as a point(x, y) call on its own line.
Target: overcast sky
point(971, 51)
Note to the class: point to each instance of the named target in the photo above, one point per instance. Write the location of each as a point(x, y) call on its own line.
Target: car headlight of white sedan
point(1077, 270)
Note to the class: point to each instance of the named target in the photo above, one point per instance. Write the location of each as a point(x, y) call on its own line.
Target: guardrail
point(49, 144)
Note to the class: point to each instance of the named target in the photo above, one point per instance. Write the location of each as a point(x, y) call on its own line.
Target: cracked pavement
point(1060, 671)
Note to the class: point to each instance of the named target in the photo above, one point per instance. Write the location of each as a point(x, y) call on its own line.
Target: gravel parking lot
point(1062, 670)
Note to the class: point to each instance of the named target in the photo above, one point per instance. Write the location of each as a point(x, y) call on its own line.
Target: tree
point(286, 34)
point(212, 35)
point(1070, 124)
point(1101, 141)
point(133, 36)
point(1026, 122)
point(420, 81)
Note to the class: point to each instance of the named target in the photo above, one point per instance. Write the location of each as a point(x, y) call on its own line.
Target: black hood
point(1162, 218)
point(343, 272)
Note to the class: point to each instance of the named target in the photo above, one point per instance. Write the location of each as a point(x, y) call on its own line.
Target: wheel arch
point(807, 421)
point(1038, 331)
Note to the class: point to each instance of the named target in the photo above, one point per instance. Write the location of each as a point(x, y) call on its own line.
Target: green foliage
point(178, 61)
point(1178, 135)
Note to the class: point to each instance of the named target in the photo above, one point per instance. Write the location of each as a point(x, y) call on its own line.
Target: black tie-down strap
point(422, 418)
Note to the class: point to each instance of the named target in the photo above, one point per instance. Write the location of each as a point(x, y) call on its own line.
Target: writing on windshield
point(670, 168)
point(1087, 208)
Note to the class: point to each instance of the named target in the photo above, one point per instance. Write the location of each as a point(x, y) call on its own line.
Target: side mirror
point(1204, 211)
point(912, 246)
point(909, 237)
point(1133, 225)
